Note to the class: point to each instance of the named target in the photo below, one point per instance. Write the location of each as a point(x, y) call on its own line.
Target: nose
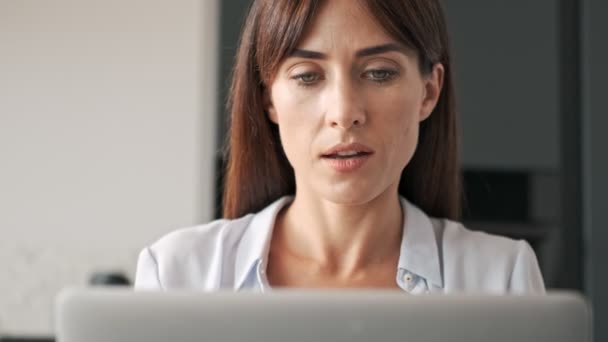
point(345, 106)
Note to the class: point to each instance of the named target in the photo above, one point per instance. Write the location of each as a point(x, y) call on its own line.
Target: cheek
point(396, 110)
point(298, 121)
point(396, 119)
point(402, 140)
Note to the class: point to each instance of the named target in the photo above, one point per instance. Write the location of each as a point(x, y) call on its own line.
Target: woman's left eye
point(380, 75)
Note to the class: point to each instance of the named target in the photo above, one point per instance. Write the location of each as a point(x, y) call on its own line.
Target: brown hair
point(258, 171)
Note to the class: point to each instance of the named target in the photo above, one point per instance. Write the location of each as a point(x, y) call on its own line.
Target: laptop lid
point(103, 315)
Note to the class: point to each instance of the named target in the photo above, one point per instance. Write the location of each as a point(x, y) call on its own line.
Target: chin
point(350, 195)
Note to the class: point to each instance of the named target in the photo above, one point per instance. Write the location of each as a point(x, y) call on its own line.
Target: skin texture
point(344, 229)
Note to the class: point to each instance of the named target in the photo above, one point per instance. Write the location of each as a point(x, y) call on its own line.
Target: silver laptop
point(111, 315)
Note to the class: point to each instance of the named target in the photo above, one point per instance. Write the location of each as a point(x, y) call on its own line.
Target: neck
point(342, 238)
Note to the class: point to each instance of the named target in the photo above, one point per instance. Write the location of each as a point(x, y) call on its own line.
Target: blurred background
point(112, 117)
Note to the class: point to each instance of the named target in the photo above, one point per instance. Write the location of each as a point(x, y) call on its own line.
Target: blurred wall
point(107, 137)
point(595, 162)
point(505, 56)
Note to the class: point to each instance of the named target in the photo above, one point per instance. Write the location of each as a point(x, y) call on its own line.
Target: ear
point(433, 84)
point(269, 107)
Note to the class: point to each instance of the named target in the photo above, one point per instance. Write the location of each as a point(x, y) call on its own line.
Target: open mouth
point(346, 155)
point(347, 161)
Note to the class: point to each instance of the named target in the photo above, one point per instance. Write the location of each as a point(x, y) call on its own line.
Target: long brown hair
point(258, 171)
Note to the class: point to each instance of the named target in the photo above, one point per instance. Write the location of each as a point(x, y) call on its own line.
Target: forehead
point(343, 24)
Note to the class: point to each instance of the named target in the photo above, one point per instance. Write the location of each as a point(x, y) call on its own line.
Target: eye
point(380, 75)
point(307, 79)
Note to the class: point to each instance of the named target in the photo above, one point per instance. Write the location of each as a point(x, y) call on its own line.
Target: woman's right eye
point(307, 79)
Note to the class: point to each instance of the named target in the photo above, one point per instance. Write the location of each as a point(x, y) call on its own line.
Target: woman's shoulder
point(170, 262)
point(455, 235)
point(497, 260)
point(203, 238)
point(209, 256)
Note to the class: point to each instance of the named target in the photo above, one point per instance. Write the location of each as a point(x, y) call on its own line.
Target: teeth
point(347, 153)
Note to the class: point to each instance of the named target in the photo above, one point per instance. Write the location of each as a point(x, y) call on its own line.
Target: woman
point(342, 163)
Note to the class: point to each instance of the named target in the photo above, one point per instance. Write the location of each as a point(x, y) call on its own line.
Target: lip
point(344, 147)
point(347, 164)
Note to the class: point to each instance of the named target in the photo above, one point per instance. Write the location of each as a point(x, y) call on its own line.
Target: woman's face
point(348, 103)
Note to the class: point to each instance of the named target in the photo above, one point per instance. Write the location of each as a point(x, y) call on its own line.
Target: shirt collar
point(419, 251)
point(255, 243)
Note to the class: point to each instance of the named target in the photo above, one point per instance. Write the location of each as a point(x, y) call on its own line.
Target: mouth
point(347, 157)
point(347, 150)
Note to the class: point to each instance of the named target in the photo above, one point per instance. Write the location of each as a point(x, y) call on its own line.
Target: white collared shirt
point(437, 256)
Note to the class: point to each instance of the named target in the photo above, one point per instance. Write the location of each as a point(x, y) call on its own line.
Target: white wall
point(107, 137)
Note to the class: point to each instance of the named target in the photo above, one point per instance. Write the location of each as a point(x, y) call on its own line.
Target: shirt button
point(408, 278)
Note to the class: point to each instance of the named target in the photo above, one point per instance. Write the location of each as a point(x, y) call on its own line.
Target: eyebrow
point(369, 51)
